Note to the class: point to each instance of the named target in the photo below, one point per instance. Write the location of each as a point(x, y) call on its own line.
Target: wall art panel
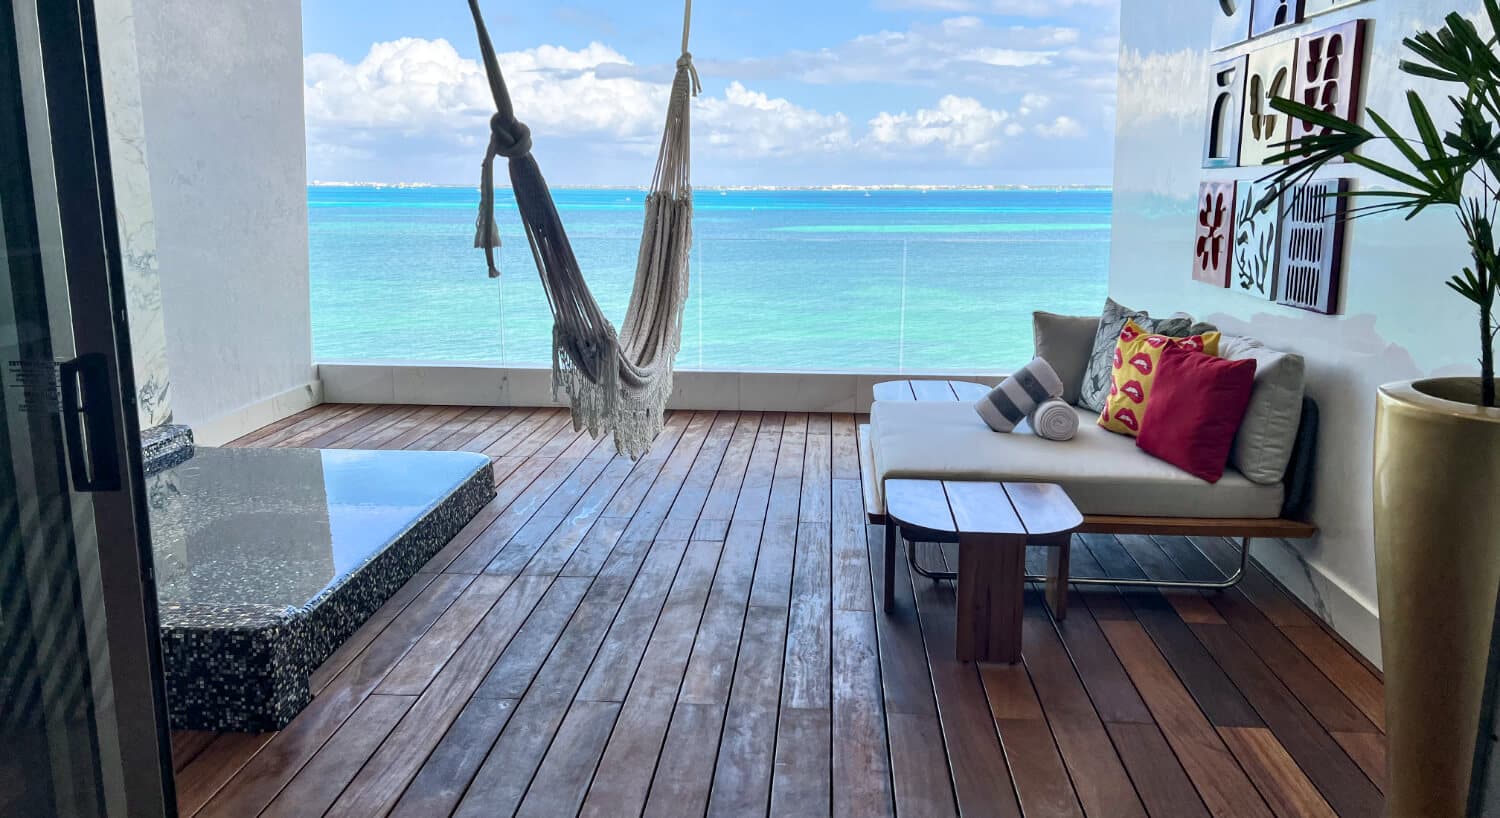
point(1312, 245)
point(1329, 65)
point(1257, 241)
point(1268, 75)
point(1226, 112)
point(1213, 245)
point(1269, 15)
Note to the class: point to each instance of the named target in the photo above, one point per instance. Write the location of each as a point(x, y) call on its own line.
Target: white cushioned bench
point(1118, 488)
point(1104, 473)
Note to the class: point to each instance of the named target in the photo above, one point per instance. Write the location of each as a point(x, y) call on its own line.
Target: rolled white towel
point(1015, 397)
point(1054, 420)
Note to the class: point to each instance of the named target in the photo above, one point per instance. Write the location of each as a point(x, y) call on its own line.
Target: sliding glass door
point(82, 729)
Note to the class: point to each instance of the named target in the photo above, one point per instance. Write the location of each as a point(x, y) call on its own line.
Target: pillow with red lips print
point(1137, 357)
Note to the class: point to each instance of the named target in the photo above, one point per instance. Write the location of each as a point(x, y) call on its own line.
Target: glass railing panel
point(781, 280)
point(794, 304)
point(968, 303)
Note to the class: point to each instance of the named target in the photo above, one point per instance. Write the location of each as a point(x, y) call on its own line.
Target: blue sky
point(795, 93)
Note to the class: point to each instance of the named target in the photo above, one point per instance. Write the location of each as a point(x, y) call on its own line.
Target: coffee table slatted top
point(939, 510)
point(930, 390)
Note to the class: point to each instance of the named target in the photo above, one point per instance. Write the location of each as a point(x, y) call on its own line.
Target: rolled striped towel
point(1054, 420)
point(1015, 397)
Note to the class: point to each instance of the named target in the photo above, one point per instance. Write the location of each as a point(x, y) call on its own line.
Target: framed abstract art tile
point(1329, 65)
point(1226, 112)
point(1268, 76)
point(1312, 245)
point(1213, 245)
point(1269, 15)
point(1257, 242)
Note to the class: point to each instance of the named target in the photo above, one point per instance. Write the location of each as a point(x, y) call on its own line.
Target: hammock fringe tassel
point(616, 382)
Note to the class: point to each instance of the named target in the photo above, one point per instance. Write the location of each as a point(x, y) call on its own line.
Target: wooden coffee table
point(992, 524)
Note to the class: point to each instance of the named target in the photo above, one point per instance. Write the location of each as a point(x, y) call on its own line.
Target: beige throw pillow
point(1065, 342)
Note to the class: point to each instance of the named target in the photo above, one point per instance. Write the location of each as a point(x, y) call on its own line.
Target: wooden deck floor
point(696, 633)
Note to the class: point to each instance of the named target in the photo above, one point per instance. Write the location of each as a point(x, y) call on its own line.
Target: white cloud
point(1063, 127)
point(958, 51)
point(745, 123)
point(1008, 57)
point(413, 103)
point(959, 126)
point(417, 86)
point(1023, 8)
point(413, 87)
point(1034, 102)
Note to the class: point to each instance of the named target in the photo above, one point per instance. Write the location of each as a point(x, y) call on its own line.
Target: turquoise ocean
point(782, 280)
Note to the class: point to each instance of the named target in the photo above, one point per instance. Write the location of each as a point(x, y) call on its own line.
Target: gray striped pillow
point(1009, 403)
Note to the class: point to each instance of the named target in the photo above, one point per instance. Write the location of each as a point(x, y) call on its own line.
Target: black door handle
point(89, 423)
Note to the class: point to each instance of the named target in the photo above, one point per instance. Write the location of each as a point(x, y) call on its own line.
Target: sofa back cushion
point(1263, 446)
point(1065, 342)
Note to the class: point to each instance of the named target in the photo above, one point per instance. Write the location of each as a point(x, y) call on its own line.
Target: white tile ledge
point(489, 385)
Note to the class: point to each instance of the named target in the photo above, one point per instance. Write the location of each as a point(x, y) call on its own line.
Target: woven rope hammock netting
point(615, 381)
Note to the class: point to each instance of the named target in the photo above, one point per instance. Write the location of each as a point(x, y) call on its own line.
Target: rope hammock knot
point(509, 137)
point(685, 62)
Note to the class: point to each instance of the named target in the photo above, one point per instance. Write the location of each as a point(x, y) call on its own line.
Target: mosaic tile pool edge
point(245, 668)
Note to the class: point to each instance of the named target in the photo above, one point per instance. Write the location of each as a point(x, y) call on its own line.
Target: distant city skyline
point(841, 92)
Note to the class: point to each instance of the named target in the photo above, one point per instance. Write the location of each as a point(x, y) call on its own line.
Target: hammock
point(615, 382)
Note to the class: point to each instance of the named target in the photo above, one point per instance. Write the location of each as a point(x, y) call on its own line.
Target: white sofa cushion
point(1104, 473)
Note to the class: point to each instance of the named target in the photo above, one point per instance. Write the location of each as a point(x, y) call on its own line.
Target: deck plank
point(315, 787)
point(861, 763)
point(448, 770)
point(623, 778)
point(1208, 762)
point(1041, 778)
point(384, 778)
point(1293, 730)
point(1097, 773)
point(528, 741)
point(694, 633)
point(253, 787)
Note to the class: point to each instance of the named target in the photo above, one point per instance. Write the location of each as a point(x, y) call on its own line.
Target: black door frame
point(80, 165)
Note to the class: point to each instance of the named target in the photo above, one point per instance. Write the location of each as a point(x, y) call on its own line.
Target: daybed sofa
point(1118, 487)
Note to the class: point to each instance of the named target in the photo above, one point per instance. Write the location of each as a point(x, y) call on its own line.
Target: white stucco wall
point(222, 91)
point(1397, 320)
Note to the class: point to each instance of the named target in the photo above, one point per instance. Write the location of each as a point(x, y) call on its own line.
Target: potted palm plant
point(1437, 440)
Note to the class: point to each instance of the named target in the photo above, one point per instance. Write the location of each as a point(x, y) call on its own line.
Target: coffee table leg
point(892, 531)
point(991, 579)
point(1059, 554)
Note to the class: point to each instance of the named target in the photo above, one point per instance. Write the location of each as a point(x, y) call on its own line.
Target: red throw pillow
point(1196, 407)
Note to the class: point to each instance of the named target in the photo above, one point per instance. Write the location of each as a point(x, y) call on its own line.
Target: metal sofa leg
point(1214, 585)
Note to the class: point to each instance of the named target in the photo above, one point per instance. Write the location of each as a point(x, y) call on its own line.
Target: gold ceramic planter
point(1437, 546)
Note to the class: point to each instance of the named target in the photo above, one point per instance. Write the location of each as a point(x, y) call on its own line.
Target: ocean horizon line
point(319, 183)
